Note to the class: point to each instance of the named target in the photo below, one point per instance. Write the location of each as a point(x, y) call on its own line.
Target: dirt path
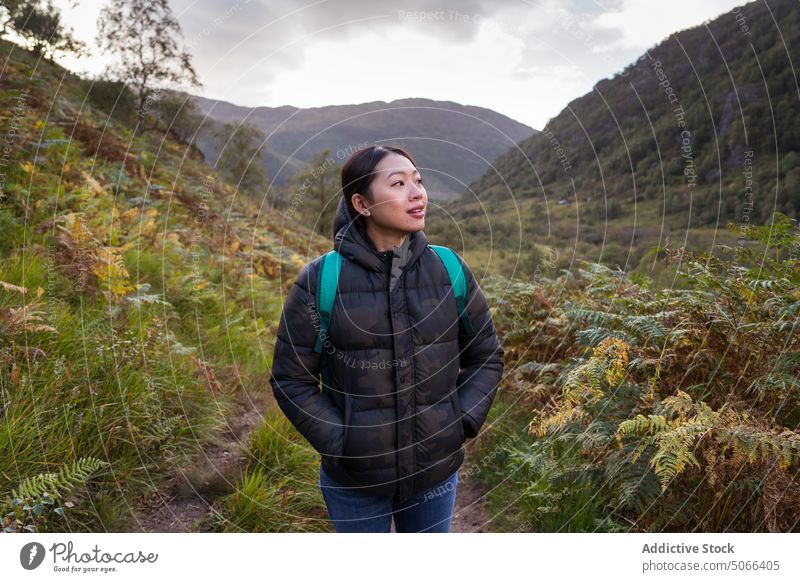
point(470, 514)
point(184, 503)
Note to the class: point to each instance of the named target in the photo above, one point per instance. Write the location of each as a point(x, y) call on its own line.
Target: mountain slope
point(137, 307)
point(661, 147)
point(454, 142)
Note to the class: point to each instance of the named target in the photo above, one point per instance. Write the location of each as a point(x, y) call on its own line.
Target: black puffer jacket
point(408, 385)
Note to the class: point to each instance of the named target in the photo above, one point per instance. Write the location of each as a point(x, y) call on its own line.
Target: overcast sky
point(523, 58)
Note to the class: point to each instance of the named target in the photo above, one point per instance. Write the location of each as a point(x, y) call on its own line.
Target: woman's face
point(397, 190)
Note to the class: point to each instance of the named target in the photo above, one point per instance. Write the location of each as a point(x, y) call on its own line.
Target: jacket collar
point(350, 239)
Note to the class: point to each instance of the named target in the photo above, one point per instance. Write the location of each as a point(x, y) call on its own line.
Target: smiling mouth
point(419, 212)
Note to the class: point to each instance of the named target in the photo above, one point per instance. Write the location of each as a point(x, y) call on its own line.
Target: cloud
point(523, 58)
point(491, 71)
point(639, 25)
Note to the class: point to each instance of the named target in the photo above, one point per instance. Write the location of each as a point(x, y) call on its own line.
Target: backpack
point(328, 283)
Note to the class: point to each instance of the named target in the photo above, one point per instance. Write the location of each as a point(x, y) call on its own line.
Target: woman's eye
point(419, 180)
point(398, 182)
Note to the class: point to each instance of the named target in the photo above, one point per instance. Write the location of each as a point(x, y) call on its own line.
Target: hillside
point(138, 304)
point(659, 151)
point(458, 142)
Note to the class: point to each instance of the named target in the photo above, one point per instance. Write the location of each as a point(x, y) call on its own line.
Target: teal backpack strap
point(327, 284)
point(458, 281)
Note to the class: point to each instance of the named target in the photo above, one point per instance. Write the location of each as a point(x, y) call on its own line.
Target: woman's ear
point(359, 205)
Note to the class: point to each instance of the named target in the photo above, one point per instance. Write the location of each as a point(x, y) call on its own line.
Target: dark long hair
point(358, 172)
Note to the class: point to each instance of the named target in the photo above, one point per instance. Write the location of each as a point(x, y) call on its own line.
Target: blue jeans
point(353, 511)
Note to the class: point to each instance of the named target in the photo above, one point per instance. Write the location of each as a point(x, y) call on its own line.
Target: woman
point(407, 383)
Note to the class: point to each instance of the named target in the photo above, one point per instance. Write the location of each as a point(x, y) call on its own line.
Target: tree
point(40, 24)
point(178, 115)
point(114, 97)
point(240, 158)
point(316, 186)
point(144, 36)
point(8, 8)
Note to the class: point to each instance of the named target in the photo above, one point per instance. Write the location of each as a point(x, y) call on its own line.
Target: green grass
point(90, 388)
point(279, 491)
point(89, 367)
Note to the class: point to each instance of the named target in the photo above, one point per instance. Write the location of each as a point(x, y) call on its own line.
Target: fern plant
point(34, 498)
point(685, 400)
point(585, 385)
point(673, 436)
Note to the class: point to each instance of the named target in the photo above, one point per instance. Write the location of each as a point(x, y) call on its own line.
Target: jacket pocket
point(347, 412)
point(459, 419)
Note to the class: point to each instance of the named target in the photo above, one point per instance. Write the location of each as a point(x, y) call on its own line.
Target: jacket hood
point(350, 238)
